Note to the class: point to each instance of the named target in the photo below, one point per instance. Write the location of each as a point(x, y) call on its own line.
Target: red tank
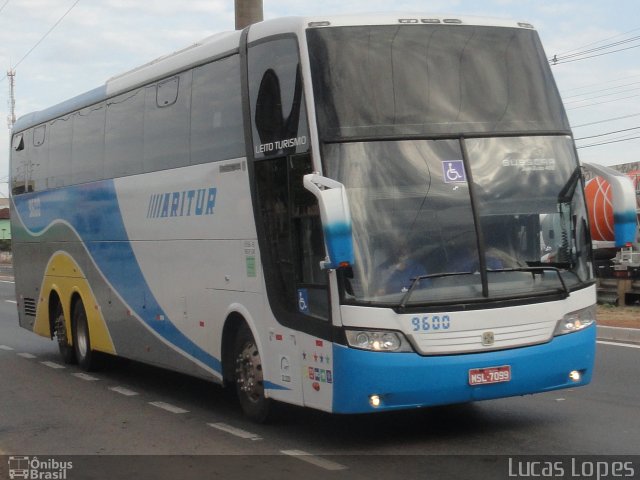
point(598, 196)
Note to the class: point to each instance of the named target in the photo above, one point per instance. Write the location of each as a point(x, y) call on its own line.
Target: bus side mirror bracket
point(336, 220)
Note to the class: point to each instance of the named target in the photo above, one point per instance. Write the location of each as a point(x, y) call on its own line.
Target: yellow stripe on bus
point(65, 277)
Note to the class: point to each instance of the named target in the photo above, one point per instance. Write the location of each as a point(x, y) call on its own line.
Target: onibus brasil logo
point(36, 469)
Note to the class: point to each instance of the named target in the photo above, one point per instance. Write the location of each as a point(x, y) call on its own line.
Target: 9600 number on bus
point(431, 322)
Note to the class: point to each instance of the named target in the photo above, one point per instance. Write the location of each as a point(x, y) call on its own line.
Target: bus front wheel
point(249, 377)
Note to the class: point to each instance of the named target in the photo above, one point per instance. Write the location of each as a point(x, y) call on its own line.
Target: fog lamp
point(374, 400)
point(575, 375)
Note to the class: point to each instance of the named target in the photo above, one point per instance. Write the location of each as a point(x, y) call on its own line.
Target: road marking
point(168, 407)
point(618, 344)
point(53, 365)
point(312, 459)
point(86, 377)
point(6, 347)
point(124, 391)
point(235, 431)
point(11, 301)
point(26, 355)
point(7, 281)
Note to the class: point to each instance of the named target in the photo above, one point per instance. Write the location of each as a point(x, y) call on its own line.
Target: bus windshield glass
point(416, 80)
point(453, 145)
point(411, 207)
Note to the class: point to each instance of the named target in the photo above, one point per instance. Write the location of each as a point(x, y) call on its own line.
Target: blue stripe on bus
point(408, 380)
point(273, 386)
point(93, 211)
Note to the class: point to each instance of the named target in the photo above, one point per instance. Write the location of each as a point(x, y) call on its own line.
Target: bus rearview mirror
point(335, 217)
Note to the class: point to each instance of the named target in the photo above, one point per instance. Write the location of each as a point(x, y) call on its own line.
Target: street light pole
point(248, 12)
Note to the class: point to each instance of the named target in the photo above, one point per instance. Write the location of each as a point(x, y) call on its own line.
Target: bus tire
point(249, 377)
point(67, 352)
point(81, 340)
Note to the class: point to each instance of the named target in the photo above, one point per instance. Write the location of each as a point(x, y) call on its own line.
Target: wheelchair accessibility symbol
point(303, 300)
point(453, 171)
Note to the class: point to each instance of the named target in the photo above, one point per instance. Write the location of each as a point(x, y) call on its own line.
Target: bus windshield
point(405, 80)
point(412, 214)
point(452, 143)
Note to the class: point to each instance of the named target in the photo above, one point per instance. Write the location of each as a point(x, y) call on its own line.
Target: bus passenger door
point(289, 227)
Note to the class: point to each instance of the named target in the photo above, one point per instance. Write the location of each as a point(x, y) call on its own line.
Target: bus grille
point(468, 341)
point(29, 307)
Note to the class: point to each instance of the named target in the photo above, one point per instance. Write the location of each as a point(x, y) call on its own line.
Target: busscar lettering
point(531, 164)
point(197, 202)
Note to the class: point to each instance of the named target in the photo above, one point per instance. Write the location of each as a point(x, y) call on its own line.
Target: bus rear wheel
point(249, 377)
point(67, 352)
point(81, 340)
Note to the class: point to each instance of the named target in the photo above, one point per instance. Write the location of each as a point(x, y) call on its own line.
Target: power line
point(600, 41)
point(606, 120)
point(557, 58)
point(624, 136)
point(46, 34)
point(603, 95)
point(607, 143)
point(600, 83)
point(3, 5)
point(606, 101)
point(608, 133)
point(593, 56)
point(600, 90)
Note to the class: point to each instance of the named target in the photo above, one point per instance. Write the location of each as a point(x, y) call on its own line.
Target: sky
point(94, 40)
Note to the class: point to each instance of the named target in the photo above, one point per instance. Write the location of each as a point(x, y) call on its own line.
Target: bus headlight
point(576, 321)
point(378, 340)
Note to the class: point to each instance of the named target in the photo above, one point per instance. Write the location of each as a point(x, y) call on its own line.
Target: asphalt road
point(132, 409)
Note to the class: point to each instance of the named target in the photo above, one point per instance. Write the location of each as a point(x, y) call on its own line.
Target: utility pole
point(248, 12)
point(11, 118)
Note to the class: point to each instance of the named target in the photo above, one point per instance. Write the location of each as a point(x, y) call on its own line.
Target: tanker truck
point(613, 204)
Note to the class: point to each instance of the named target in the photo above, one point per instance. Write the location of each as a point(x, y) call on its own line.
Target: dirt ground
point(611, 316)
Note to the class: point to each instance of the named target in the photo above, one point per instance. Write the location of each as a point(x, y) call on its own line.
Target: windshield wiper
point(533, 270)
point(536, 271)
point(416, 281)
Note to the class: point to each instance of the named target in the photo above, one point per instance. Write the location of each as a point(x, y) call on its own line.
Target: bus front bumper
point(408, 380)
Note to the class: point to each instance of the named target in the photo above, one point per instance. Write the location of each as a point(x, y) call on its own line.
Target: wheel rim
point(249, 373)
point(61, 331)
point(82, 338)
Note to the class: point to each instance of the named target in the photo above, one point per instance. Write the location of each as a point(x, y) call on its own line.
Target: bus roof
point(227, 43)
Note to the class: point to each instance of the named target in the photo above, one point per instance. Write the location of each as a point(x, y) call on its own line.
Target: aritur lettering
point(182, 204)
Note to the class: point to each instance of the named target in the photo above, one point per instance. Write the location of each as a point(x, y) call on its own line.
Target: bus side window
point(19, 162)
point(289, 213)
point(307, 239)
point(278, 114)
point(39, 159)
point(87, 148)
point(124, 134)
point(166, 123)
point(61, 130)
point(273, 198)
point(293, 231)
point(216, 112)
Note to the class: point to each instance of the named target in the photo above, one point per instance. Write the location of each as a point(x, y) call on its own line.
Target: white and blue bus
point(355, 214)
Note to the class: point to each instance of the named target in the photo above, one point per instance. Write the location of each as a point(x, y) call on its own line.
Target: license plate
point(482, 376)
